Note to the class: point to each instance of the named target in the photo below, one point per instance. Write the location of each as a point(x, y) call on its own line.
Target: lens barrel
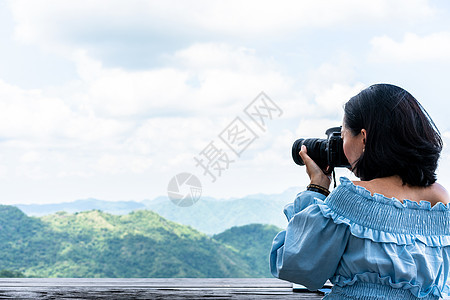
point(295, 152)
point(317, 150)
point(324, 152)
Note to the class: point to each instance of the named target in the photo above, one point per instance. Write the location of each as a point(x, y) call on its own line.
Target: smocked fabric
point(369, 246)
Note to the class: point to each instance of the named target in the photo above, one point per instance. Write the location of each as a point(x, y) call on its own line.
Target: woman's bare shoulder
point(392, 188)
point(439, 193)
point(359, 182)
point(368, 185)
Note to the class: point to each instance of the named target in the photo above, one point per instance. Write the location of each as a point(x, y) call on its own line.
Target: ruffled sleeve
point(310, 248)
point(302, 201)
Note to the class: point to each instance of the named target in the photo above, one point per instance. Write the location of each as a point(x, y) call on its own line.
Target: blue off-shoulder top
point(369, 246)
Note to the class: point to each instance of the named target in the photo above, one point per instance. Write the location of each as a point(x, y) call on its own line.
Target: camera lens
point(295, 150)
point(316, 150)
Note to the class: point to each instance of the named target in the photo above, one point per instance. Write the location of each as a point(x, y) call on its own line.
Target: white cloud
point(156, 81)
point(272, 153)
point(115, 164)
point(3, 167)
point(443, 172)
point(214, 78)
point(172, 139)
point(333, 98)
point(296, 105)
point(218, 55)
point(117, 121)
point(59, 25)
point(118, 93)
point(31, 171)
point(332, 85)
point(3, 171)
point(30, 157)
point(340, 71)
point(29, 113)
point(413, 48)
point(315, 128)
point(33, 116)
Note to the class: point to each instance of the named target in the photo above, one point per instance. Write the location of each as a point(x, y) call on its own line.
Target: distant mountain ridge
point(208, 215)
point(139, 244)
point(112, 207)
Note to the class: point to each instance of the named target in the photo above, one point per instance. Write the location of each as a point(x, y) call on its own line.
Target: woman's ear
point(364, 136)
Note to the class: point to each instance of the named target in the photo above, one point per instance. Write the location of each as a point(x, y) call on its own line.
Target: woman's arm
point(309, 250)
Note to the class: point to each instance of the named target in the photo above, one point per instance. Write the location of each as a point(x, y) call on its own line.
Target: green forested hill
point(253, 242)
point(97, 244)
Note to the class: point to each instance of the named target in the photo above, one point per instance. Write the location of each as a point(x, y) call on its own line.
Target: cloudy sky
point(111, 99)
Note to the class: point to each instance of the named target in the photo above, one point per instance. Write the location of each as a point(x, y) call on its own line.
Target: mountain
point(213, 216)
point(112, 207)
point(253, 242)
point(98, 244)
point(209, 215)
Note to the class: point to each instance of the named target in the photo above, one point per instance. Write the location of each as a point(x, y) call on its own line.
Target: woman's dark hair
point(401, 137)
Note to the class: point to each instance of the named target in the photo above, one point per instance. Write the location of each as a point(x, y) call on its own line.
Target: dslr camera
point(324, 152)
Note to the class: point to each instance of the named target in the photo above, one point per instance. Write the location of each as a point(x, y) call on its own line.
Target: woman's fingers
point(309, 163)
point(315, 173)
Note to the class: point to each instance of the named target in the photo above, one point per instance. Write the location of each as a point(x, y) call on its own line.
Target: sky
point(112, 99)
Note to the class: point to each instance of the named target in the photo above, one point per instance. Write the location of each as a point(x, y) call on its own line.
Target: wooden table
point(150, 288)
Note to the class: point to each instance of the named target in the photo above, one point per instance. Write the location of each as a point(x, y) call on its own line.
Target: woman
point(386, 236)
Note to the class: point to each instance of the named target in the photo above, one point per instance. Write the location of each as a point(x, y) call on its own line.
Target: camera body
point(324, 152)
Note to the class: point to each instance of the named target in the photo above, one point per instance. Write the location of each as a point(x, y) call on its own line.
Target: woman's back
point(393, 187)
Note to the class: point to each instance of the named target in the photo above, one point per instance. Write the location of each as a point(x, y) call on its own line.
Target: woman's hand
point(316, 174)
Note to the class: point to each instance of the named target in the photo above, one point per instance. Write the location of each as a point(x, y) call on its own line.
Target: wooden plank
point(149, 288)
point(148, 282)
